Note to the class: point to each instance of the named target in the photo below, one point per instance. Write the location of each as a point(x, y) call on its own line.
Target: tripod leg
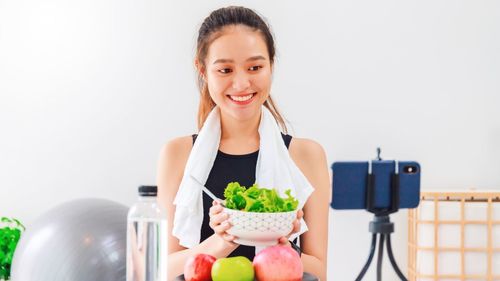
point(370, 257)
point(380, 256)
point(393, 261)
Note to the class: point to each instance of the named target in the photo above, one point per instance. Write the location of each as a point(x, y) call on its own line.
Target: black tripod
point(381, 224)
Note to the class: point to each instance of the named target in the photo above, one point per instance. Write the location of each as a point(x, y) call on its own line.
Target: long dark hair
point(209, 31)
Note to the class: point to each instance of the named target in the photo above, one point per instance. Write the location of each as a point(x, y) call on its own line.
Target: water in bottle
point(147, 238)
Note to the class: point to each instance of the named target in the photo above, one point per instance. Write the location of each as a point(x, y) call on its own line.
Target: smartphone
point(350, 178)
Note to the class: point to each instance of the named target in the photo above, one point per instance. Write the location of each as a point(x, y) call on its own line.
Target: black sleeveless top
point(230, 168)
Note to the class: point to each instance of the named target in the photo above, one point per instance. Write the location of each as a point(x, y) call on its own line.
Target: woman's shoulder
point(177, 149)
point(310, 158)
point(305, 148)
point(183, 143)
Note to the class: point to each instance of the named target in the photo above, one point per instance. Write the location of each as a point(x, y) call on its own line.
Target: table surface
point(305, 277)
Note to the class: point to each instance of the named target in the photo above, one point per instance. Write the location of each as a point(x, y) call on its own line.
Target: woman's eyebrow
point(254, 58)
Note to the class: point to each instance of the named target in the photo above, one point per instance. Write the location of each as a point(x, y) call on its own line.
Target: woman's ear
point(201, 69)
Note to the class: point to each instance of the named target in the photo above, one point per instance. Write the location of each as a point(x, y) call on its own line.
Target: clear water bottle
point(147, 238)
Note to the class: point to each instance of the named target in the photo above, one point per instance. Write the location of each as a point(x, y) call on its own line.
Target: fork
point(209, 193)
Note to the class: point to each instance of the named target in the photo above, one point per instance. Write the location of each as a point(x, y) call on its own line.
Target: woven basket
point(455, 235)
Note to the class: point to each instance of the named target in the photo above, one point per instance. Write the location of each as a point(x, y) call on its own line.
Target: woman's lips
point(242, 100)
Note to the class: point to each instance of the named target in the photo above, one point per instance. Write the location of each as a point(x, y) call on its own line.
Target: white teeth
point(242, 98)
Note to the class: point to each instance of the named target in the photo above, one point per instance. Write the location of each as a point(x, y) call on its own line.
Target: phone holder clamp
point(381, 224)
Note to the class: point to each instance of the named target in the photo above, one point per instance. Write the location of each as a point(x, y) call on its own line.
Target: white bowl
point(259, 229)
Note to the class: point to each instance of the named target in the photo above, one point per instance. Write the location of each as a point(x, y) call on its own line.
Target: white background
point(90, 90)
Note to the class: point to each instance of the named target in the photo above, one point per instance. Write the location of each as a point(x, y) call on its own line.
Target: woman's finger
point(222, 227)
point(300, 214)
point(217, 220)
point(228, 237)
point(296, 223)
point(283, 241)
point(296, 226)
point(214, 210)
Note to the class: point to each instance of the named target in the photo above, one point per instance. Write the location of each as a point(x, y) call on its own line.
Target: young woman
point(234, 60)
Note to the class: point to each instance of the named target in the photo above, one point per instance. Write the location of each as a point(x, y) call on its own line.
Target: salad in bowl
point(259, 216)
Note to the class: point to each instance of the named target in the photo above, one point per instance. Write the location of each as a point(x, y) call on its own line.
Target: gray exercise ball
point(81, 240)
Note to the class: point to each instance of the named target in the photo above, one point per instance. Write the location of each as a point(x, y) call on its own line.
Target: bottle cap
point(148, 190)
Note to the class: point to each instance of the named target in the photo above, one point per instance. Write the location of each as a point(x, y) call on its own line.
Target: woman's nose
point(241, 81)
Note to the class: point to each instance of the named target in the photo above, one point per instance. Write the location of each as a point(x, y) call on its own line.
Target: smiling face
point(238, 72)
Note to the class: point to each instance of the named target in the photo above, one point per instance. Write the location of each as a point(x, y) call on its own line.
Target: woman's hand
point(296, 228)
point(220, 224)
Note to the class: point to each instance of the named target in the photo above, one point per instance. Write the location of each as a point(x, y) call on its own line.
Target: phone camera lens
point(410, 169)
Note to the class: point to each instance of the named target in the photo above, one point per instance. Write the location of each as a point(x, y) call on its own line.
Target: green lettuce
point(257, 199)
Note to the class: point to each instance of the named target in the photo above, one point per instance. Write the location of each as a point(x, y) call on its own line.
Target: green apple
point(233, 269)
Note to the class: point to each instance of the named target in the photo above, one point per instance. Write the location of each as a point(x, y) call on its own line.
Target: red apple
point(278, 263)
point(199, 268)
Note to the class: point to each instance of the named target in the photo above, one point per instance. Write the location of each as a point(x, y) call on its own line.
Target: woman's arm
point(213, 245)
point(310, 157)
point(171, 164)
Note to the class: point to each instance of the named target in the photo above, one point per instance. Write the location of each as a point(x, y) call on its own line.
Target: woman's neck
point(239, 137)
point(236, 129)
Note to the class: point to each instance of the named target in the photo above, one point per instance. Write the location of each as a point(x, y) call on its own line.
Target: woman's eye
point(225, 70)
point(255, 68)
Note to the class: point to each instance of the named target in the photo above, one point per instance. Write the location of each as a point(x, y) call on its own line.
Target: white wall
point(90, 90)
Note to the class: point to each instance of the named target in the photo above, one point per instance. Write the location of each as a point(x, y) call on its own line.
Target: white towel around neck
point(275, 169)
